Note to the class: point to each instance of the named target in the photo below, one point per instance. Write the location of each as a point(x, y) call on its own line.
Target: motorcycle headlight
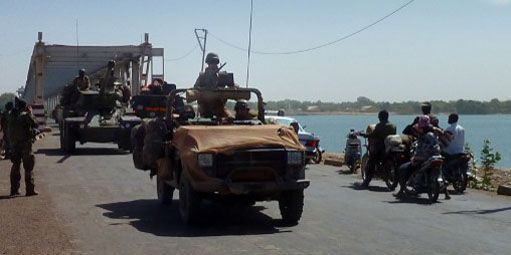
point(205, 160)
point(294, 157)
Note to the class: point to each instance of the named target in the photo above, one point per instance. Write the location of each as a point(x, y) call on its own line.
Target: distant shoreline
point(340, 113)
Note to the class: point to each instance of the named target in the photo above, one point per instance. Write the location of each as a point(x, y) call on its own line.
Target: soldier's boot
point(15, 179)
point(28, 164)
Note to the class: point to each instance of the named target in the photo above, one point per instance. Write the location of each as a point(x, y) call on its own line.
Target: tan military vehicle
point(221, 158)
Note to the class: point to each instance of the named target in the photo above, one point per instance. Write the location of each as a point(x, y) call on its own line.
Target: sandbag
point(394, 143)
point(155, 132)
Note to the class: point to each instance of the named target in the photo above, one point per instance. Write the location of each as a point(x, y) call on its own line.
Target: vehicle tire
point(318, 156)
point(69, 140)
point(392, 179)
point(363, 167)
point(460, 185)
point(165, 191)
point(433, 191)
point(291, 206)
point(188, 202)
point(353, 167)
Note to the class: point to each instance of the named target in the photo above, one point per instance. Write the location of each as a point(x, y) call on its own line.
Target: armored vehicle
point(95, 116)
point(221, 158)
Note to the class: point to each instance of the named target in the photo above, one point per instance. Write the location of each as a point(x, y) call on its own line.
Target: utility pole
point(202, 36)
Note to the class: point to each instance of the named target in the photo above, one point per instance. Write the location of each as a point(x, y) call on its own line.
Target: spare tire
point(137, 141)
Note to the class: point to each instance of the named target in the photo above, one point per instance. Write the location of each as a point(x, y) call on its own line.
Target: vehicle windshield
point(285, 121)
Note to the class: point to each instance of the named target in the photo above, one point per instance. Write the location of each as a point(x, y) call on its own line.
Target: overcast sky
point(432, 49)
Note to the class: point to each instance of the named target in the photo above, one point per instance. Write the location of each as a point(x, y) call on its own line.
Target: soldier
point(209, 79)
point(5, 123)
point(21, 133)
point(242, 110)
point(81, 81)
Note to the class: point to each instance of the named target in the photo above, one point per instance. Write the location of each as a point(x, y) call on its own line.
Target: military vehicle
point(221, 158)
point(96, 115)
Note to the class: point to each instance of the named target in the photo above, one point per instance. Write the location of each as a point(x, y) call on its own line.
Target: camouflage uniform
point(209, 80)
point(4, 122)
point(21, 126)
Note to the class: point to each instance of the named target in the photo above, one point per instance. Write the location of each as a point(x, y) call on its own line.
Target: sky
point(432, 49)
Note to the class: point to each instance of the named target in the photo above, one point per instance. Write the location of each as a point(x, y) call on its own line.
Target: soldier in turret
point(209, 80)
point(82, 81)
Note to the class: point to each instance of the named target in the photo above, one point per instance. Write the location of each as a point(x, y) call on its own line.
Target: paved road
point(111, 209)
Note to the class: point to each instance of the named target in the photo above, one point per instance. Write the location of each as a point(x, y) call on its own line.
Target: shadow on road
point(412, 200)
point(89, 151)
point(358, 186)
point(488, 211)
point(151, 217)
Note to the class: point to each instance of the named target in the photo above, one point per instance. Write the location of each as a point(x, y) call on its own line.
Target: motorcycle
point(386, 169)
point(427, 179)
point(317, 152)
point(353, 151)
point(455, 171)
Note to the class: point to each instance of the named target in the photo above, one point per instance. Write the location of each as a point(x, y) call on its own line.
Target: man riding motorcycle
point(427, 146)
point(377, 144)
point(456, 166)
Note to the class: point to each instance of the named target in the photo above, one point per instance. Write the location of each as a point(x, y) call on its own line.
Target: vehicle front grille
point(253, 164)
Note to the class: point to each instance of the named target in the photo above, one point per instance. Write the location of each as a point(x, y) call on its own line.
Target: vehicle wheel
point(433, 191)
point(165, 191)
point(460, 185)
point(291, 206)
point(353, 167)
point(392, 178)
point(69, 140)
point(318, 157)
point(363, 167)
point(188, 202)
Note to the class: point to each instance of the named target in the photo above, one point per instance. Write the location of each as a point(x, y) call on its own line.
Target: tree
point(6, 97)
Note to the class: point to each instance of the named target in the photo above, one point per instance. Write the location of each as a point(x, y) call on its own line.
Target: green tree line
point(364, 104)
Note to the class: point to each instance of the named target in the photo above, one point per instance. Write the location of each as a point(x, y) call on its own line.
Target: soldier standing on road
point(81, 81)
point(4, 125)
point(21, 134)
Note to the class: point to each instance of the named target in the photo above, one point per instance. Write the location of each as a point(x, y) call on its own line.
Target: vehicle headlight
point(294, 157)
point(205, 160)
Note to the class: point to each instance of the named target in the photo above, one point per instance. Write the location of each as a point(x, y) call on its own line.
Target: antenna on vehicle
point(249, 42)
point(77, 45)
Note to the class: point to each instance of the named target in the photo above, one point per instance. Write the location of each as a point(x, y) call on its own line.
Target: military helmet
point(212, 58)
point(241, 104)
point(81, 71)
point(19, 103)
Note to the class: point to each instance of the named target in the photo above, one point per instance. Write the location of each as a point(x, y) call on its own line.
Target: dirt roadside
point(29, 225)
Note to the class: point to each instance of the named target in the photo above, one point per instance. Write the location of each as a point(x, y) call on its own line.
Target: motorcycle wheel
point(363, 165)
point(391, 180)
point(433, 191)
point(460, 185)
point(318, 157)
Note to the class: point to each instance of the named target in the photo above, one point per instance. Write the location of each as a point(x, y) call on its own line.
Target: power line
point(318, 46)
point(184, 56)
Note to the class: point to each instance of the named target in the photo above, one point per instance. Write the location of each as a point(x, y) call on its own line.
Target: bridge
point(54, 66)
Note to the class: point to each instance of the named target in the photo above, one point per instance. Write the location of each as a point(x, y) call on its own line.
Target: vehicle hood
point(226, 139)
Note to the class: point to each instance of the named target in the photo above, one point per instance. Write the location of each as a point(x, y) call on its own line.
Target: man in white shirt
point(456, 134)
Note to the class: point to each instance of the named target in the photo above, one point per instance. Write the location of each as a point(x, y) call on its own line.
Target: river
point(332, 130)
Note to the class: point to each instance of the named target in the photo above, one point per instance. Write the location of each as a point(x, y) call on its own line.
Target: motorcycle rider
point(427, 146)
point(456, 135)
point(377, 150)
